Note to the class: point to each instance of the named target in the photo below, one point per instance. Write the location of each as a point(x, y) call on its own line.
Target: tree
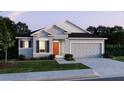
point(6, 37)
point(16, 29)
point(10, 24)
point(114, 34)
point(92, 29)
point(22, 29)
point(118, 38)
point(118, 29)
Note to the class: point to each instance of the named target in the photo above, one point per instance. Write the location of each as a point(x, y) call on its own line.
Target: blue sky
point(39, 19)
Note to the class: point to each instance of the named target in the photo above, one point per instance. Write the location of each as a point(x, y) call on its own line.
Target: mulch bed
point(7, 65)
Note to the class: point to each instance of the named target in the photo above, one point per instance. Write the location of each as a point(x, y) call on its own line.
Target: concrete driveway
point(104, 67)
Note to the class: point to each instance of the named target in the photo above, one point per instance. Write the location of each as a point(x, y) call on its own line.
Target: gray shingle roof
point(83, 35)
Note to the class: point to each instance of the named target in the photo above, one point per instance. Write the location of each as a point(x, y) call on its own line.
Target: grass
point(120, 58)
point(40, 65)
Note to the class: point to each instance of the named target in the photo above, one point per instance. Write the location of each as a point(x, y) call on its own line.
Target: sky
point(84, 19)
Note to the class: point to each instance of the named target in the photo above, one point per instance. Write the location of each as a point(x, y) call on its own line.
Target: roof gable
point(39, 31)
point(71, 27)
point(36, 31)
point(54, 30)
point(60, 29)
point(43, 34)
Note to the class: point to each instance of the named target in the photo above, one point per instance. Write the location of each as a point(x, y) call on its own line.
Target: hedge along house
point(60, 39)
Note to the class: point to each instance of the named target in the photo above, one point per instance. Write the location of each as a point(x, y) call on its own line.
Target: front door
point(56, 47)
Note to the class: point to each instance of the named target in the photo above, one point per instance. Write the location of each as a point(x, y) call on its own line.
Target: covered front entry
point(56, 48)
point(86, 50)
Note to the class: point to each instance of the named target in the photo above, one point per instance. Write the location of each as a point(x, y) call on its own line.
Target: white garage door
point(80, 50)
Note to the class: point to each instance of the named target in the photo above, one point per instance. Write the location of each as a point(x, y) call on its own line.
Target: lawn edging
point(119, 58)
point(49, 75)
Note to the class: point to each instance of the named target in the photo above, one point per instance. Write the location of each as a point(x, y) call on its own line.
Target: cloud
point(14, 15)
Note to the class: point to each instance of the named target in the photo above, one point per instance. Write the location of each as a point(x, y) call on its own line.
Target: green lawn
point(40, 65)
point(120, 58)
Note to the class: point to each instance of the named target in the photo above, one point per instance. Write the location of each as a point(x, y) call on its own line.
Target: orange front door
point(56, 48)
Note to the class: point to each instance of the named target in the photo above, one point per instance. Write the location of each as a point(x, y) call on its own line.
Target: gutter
point(89, 38)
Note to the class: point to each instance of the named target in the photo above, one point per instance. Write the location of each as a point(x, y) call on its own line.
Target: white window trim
point(44, 40)
point(24, 44)
point(41, 46)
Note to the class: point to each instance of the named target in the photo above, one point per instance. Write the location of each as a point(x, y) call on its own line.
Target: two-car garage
point(82, 50)
point(86, 45)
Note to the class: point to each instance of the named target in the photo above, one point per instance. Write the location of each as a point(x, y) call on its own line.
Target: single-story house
point(60, 39)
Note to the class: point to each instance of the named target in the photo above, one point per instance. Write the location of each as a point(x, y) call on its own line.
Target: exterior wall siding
point(37, 55)
point(62, 47)
point(67, 46)
point(28, 52)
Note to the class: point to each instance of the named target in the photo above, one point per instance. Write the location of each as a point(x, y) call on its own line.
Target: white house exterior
point(60, 39)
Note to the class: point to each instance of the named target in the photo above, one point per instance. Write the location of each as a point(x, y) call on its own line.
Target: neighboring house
point(60, 39)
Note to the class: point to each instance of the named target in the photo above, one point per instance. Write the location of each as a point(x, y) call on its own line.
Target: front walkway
point(62, 61)
point(104, 67)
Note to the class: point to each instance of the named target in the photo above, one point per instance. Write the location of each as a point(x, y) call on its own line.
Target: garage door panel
point(86, 49)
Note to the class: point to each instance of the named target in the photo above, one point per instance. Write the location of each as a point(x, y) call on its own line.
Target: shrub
point(48, 57)
point(43, 58)
point(21, 57)
point(115, 51)
point(68, 57)
point(107, 55)
point(51, 56)
point(34, 58)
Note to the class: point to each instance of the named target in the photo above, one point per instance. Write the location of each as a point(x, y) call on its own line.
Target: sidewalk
point(49, 75)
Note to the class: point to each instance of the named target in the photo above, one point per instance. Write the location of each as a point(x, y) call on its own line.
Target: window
point(42, 46)
point(25, 44)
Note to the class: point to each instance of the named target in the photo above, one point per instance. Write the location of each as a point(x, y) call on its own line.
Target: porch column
point(51, 45)
point(18, 43)
point(18, 46)
point(103, 47)
point(34, 45)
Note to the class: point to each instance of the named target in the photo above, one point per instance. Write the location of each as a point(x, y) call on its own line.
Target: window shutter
point(37, 46)
point(30, 44)
point(47, 46)
point(21, 44)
